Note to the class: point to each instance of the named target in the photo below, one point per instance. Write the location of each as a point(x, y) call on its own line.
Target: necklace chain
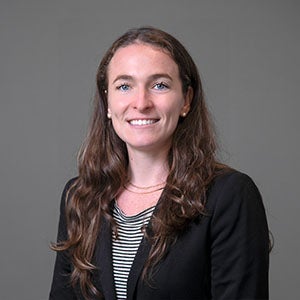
point(143, 193)
point(146, 187)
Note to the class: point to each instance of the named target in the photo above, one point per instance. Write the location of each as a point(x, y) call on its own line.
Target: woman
point(152, 214)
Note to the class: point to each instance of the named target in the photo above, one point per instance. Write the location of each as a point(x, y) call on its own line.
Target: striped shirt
point(125, 247)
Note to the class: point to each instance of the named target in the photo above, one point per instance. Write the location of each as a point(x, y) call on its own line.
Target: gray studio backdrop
point(248, 55)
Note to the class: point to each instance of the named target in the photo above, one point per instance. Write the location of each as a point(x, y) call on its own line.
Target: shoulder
point(69, 186)
point(231, 180)
point(233, 190)
point(236, 211)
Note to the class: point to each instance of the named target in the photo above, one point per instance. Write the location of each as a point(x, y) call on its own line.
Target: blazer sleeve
point(61, 288)
point(239, 241)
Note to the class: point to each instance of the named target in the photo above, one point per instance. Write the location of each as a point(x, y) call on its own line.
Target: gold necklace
point(146, 187)
point(142, 193)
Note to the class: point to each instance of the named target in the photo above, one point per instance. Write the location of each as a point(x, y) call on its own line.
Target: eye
point(160, 86)
point(123, 87)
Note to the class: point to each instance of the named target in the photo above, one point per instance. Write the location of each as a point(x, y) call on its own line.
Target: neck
point(147, 170)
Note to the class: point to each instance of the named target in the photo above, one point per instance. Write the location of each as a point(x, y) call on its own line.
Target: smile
point(142, 122)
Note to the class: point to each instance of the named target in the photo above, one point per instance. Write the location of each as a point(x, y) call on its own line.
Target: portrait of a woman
point(153, 214)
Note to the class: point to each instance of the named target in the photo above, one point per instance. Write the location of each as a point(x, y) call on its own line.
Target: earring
point(109, 115)
point(184, 114)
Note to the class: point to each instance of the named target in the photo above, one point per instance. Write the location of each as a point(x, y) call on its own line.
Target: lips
point(142, 122)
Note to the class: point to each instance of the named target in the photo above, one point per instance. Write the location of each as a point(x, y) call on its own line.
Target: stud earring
point(183, 114)
point(109, 115)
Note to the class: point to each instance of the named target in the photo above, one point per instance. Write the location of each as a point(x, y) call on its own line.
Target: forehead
point(140, 57)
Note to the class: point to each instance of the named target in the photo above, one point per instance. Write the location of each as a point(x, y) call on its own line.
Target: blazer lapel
point(137, 267)
point(140, 259)
point(104, 279)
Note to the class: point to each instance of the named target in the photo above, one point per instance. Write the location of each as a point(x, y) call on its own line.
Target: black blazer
point(224, 255)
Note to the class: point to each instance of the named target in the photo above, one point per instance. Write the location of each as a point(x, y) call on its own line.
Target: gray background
point(248, 55)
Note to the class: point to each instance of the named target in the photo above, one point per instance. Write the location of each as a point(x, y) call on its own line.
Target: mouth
point(142, 122)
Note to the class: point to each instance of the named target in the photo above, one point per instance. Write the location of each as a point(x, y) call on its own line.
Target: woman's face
point(145, 98)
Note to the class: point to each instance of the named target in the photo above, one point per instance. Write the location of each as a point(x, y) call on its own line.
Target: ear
point(187, 101)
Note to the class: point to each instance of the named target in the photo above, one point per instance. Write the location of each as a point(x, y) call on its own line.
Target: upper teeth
point(142, 122)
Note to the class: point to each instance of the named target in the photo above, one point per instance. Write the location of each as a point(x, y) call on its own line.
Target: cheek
point(114, 106)
point(117, 127)
point(175, 109)
point(117, 104)
point(171, 119)
point(117, 122)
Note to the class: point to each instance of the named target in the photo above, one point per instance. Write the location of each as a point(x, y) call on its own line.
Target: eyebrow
point(123, 77)
point(152, 77)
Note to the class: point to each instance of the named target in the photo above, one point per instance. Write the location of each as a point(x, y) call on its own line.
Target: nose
point(142, 101)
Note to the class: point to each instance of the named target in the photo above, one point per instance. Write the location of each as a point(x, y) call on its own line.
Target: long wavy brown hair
point(103, 163)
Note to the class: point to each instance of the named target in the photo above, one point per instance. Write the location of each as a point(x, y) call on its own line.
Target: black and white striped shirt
point(125, 247)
